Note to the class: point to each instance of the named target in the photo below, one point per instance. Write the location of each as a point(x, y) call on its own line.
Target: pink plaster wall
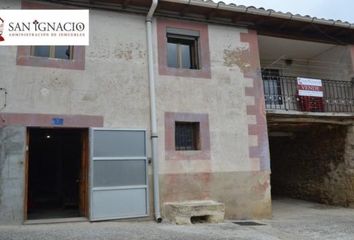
point(253, 73)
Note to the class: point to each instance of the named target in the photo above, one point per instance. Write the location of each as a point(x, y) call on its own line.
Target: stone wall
point(349, 163)
point(314, 164)
point(12, 157)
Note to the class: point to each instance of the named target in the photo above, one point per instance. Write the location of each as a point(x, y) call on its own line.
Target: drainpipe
point(155, 160)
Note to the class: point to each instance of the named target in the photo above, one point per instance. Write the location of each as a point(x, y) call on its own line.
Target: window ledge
point(24, 58)
point(184, 72)
point(190, 151)
point(187, 155)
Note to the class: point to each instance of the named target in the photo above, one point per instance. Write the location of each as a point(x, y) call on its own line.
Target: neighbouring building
point(233, 101)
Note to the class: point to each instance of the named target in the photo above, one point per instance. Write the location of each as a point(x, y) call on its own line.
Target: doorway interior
point(307, 161)
point(57, 170)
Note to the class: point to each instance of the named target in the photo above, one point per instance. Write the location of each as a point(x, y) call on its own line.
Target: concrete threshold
point(55, 220)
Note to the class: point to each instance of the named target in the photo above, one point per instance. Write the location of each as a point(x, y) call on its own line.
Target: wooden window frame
point(192, 42)
point(24, 57)
point(185, 28)
point(52, 52)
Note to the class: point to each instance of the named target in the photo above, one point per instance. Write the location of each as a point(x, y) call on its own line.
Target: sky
point(329, 9)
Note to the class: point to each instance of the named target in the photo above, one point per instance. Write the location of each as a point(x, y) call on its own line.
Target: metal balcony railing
point(281, 92)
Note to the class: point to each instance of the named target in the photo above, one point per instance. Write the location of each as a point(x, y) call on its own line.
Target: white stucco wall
point(114, 84)
point(222, 97)
point(311, 59)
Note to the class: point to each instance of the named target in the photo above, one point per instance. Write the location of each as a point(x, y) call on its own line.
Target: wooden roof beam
point(126, 3)
point(211, 14)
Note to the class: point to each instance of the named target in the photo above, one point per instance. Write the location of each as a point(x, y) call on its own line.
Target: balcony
point(326, 72)
point(282, 93)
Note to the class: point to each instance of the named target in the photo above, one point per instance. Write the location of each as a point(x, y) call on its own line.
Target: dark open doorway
point(307, 161)
point(57, 173)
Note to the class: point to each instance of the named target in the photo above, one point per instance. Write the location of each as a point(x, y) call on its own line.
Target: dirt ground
point(292, 219)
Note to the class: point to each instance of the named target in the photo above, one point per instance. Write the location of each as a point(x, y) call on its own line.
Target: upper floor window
point(67, 57)
point(182, 50)
point(60, 52)
point(64, 57)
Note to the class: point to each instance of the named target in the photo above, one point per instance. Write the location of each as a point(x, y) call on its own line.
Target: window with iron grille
point(187, 136)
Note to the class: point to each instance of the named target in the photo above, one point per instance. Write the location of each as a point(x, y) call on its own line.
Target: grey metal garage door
point(118, 174)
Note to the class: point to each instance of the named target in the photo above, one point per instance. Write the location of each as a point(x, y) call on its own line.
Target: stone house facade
point(212, 112)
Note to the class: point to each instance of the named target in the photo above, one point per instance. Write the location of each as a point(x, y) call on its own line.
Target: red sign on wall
point(309, 87)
